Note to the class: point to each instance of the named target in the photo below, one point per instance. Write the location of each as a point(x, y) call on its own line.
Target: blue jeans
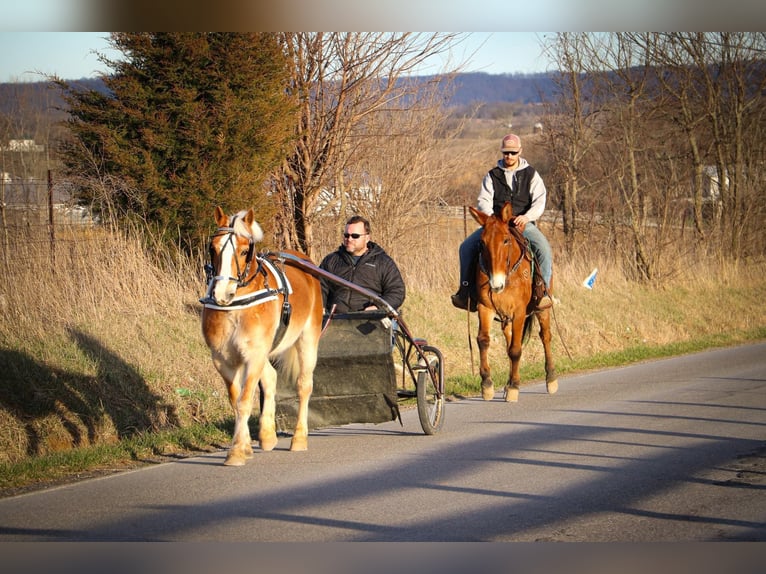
point(471, 245)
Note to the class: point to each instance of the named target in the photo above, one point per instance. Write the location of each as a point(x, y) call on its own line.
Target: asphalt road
point(669, 450)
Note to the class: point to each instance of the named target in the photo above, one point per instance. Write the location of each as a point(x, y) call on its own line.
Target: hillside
point(503, 88)
point(31, 97)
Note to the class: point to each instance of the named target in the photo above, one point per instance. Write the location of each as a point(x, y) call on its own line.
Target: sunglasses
point(353, 235)
point(511, 152)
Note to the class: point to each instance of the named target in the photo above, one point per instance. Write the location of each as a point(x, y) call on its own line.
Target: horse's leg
point(307, 357)
point(232, 378)
point(267, 425)
point(551, 379)
point(513, 331)
point(482, 339)
point(241, 394)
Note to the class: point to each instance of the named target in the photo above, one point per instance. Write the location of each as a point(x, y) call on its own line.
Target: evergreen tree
point(187, 121)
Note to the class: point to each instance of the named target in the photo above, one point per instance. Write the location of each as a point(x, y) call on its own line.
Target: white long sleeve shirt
point(537, 191)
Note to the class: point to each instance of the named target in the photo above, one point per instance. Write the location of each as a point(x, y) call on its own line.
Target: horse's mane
point(252, 232)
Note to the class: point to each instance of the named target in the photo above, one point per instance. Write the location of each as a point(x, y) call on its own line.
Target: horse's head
point(232, 249)
point(499, 249)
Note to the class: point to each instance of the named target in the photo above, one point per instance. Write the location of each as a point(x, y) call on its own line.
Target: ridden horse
point(504, 285)
point(259, 312)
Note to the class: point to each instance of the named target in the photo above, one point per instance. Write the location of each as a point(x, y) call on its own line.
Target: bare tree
point(570, 123)
point(397, 182)
point(654, 112)
point(602, 110)
point(717, 81)
point(350, 87)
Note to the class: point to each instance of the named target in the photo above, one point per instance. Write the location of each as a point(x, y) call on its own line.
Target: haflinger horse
point(259, 312)
point(504, 286)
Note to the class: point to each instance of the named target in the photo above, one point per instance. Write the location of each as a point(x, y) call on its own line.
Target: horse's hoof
point(552, 387)
point(488, 393)
point(511, 394)
point(299, 444)
point(235, 459)
point(268, 443)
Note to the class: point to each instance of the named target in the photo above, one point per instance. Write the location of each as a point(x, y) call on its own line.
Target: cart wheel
point(430, 391)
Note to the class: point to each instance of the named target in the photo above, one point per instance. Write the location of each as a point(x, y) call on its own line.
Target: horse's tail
point(287, 364)
point(527, 327)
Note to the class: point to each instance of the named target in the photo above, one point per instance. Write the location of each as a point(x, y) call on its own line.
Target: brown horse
point(504, 285)
point(259, 312)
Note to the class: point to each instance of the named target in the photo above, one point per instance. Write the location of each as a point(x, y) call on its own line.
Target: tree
point(350, 88)
point(717, 80)
point(571, 124)
point(187, 121)
point(670, 106)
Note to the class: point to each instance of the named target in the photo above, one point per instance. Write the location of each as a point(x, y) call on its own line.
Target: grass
point(84, 462)
point(104, 368)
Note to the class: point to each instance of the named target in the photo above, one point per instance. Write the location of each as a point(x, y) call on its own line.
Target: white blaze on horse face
point(497, 281)
point(226, 280)
point(498, 272)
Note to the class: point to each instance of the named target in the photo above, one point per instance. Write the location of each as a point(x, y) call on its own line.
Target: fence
point(38, 213)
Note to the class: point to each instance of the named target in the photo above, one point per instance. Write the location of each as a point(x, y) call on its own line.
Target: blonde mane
point(253, 232)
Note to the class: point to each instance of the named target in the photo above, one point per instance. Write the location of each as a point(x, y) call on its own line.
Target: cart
point(369, 366)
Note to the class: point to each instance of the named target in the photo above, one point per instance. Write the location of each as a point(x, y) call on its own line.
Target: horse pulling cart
point(369, 364)
point(264, 323)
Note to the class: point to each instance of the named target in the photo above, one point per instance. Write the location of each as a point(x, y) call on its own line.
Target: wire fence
point(37, 216)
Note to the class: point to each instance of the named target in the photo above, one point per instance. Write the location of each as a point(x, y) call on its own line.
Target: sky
point(29, 56)
point(51, 37)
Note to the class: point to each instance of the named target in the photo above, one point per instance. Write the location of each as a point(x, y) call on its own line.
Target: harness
point(266, 265)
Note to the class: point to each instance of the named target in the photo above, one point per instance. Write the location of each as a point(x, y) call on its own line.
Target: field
point(103, 362)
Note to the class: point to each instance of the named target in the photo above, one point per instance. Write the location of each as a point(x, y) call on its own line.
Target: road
point(668, 450)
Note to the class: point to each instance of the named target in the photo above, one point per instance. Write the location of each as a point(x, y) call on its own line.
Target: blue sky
point(72, 55)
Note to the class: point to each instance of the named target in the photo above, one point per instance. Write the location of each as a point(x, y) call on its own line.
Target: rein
point(261, 296)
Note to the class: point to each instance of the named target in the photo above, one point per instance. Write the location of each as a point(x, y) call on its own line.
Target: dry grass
point(98, 343)
point(703, 300)
point(103, 342)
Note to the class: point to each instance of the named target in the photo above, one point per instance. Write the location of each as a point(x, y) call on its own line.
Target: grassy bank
point(103, 365)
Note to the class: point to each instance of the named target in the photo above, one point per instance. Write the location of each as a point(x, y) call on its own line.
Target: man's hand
point(520, 221)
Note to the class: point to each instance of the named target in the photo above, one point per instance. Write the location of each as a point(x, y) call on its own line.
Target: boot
point(462, 299)
point(540, 297)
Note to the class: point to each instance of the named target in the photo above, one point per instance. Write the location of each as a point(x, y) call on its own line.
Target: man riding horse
point(512, 180)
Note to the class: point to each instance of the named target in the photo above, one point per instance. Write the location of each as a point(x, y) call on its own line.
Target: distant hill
point(493, 88)
point(469, 89)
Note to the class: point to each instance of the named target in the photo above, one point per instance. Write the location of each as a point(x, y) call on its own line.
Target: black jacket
point(375, 271)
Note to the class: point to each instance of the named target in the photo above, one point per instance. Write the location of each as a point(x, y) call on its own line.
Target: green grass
point(145, 448)
point(468, 385)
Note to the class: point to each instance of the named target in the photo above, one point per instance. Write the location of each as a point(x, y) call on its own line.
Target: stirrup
point(463, 300)
point(545, 302)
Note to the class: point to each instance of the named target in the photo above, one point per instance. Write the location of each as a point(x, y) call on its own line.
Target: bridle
point(509, 269)
point(242, 274)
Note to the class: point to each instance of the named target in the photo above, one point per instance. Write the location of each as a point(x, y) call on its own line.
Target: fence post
point(51, 228)
point(5, 224)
